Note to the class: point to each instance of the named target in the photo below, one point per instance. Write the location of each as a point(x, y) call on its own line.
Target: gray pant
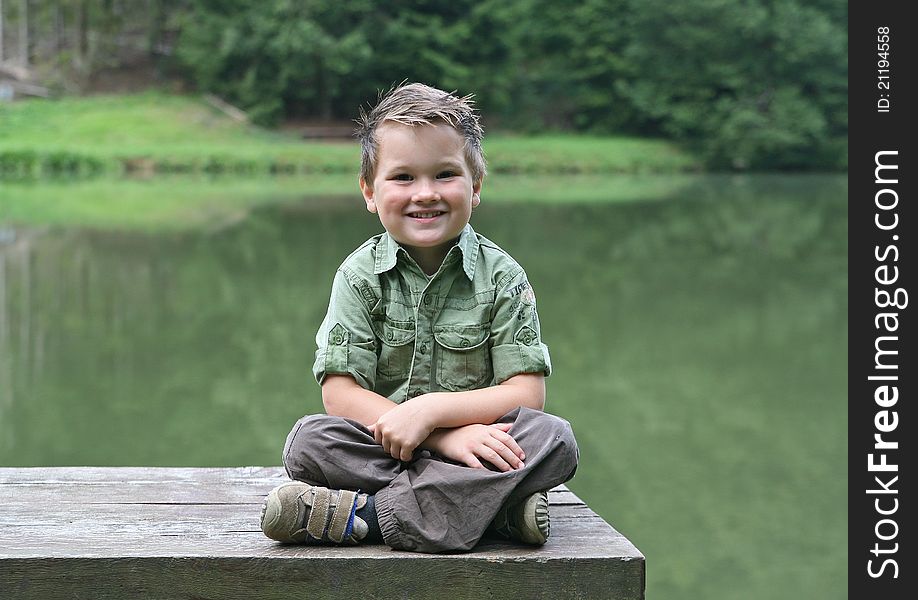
point(430, 504)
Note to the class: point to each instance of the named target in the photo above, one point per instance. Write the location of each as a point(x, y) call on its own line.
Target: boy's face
point(423, 190)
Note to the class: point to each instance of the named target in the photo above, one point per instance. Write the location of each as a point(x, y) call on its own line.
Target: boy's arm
point(346, 343)
point(455, 424)
point(343, 397)
point(459, 425)
point(410, 424)
point(486, 405)
point(520, 361)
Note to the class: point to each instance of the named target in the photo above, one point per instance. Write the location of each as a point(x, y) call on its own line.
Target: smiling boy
point(430, 360)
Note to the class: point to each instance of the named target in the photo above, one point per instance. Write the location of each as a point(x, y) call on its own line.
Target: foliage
point(750, 84)
point(532, 63)
point(275, 58)
point(753, 84)
point(756, 84)
point(157, 133)
point(555, 65)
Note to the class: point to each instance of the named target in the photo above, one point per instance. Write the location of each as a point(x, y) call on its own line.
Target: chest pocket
point(396, 348)
point(463, 360)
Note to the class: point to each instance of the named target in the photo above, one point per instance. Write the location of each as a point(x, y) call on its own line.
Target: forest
point(744, 84)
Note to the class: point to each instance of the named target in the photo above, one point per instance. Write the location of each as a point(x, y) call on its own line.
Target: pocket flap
point(395, 333)
point(459, 337)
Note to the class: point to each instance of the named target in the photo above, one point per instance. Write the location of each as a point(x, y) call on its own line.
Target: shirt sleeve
point(516, 339)
point(346, 342)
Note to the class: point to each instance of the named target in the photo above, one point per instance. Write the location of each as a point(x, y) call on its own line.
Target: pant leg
point(338, 453)
point(430, 504)
point(438, 506)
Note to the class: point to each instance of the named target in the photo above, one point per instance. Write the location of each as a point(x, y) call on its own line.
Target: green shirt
point(400, 333)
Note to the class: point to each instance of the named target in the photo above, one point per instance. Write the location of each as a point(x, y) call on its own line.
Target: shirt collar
point(468, 244)
point(387, 252)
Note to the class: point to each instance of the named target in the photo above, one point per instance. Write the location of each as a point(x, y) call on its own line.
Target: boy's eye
point(445, 174)
point(402, 177)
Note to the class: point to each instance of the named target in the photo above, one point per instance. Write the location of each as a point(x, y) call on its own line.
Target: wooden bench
point(88, 532)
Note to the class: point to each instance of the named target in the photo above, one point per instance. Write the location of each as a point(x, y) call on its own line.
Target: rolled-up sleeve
point(516, 338)
point(346, 343)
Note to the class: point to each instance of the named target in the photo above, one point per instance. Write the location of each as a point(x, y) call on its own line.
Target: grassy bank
point(155, 161)
point(194, 202)
point(159, 133)
point(188, 202)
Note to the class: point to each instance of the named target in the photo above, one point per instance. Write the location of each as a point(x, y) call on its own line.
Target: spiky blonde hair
point(416, 104)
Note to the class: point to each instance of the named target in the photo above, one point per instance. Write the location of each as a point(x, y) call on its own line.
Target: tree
point(755, 84)
point(748, 83)
point(274, 57)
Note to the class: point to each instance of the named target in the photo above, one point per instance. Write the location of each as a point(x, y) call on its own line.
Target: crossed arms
point(457, 425)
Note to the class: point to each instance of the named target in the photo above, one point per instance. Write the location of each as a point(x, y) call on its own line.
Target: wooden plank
point(182, 530)
point(136, 493)
point(183, 533)
point(454, 578)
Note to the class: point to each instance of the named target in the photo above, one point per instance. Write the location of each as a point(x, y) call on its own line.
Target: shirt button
point(389, 335)
point(337, 340)
point(427, 300)
point(464, 343)
point(423, 348)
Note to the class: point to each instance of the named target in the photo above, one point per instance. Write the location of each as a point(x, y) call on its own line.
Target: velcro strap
point(337, 528)
point(318, 514)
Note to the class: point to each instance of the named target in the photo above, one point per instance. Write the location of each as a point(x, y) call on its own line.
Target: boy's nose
point(425, 194)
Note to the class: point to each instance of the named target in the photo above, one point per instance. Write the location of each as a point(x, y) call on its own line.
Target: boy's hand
point(402, 429)
point(473, 443)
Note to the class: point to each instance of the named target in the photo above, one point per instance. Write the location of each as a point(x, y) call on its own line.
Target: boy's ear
point(367, 192)
point(476, 193)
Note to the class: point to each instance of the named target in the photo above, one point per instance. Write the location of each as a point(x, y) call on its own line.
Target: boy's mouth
point(426, 215)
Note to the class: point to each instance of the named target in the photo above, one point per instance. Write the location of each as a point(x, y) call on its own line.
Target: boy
point(430, 361)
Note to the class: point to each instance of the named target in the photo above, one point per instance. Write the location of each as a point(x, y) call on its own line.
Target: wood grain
point(194, 533)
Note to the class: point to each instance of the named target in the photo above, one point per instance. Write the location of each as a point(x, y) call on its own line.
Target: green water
point(699, 345)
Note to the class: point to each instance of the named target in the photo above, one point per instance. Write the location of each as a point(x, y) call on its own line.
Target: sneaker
point(297, 512)
point(527, 522)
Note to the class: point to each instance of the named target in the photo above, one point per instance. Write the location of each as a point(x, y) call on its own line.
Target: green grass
point(190, 202)
point(166, 203)
point(573, 154)
point(168, 133)
point(157, 132)
point(62, 163)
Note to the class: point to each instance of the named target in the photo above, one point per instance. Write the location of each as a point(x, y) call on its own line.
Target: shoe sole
point(536, 523)
point(271, 512)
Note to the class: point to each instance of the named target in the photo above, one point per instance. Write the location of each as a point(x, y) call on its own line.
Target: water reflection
point(100, 331)
point(698, 341)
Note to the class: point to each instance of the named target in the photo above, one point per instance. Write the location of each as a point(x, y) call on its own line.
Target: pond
point(699, 343)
